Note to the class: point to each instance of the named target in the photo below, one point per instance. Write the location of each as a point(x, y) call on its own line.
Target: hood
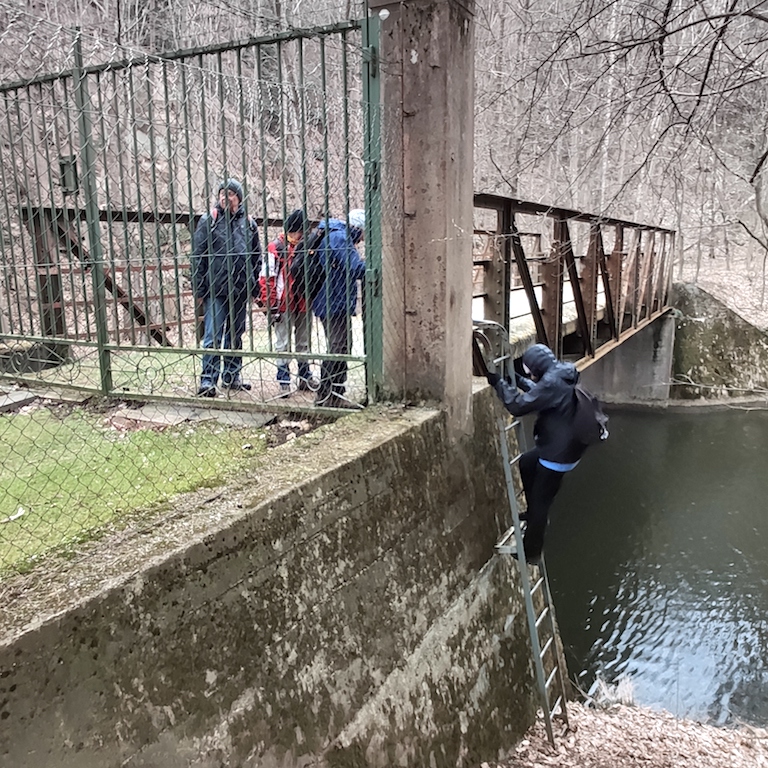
point(539, 359)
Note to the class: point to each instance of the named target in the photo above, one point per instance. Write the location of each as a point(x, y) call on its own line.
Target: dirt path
point(635, 737)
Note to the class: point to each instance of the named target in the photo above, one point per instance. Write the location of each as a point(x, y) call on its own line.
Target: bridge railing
point(578, 282)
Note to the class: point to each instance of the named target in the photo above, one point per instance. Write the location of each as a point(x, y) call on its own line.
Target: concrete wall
point(717, 353)
point(341, 606)
point(639, 370)
point(427, 85)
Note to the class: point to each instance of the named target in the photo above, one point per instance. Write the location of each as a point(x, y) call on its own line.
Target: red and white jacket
point(275, 279)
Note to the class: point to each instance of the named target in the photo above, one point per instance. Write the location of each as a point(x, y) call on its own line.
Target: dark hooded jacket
point(552, 396)
point(227, 255)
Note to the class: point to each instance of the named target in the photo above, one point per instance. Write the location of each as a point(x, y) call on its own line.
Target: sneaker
point(239, 386)
point(206, 390)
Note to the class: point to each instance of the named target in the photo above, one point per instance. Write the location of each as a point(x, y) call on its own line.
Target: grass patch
point(69, 473)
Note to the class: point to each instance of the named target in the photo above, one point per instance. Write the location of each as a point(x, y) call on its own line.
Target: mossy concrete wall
point(717, 353)
point(341, 606)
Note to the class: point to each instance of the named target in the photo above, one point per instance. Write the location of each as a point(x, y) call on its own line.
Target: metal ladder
point(541, 625)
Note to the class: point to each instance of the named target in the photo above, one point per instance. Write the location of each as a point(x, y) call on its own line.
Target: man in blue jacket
point(336, 301)
point(557, 449)
point(226, 259)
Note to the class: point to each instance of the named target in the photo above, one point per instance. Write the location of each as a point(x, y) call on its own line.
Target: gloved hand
point(274, 318)
point(493, 378)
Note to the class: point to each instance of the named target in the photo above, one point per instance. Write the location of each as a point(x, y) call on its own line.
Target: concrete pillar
point(427, 71)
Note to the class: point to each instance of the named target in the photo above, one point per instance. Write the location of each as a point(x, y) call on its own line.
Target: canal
point(658, 560)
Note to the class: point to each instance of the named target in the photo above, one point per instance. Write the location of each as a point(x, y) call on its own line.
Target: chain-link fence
point(111, 246)
point(106, 173)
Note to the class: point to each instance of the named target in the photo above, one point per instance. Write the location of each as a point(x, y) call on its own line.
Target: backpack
point(590, 422)
point(307, 270)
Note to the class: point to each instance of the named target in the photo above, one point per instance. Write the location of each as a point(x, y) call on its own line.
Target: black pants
point(541, 486)
point(333, 373)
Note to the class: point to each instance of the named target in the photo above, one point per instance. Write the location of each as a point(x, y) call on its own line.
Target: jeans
point(224, 328)
point(333, 373)
point(541, 486)
point(299, 323)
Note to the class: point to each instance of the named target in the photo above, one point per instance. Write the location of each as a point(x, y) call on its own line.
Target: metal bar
point(133, 97)
point(552, 290)
point(106, 166)
point(538, 209)
point(52, 291)
point(9, 274)
point(573, 274)
point(122, 216)
point(304, 175)
point(542, 332)
point(153, 162)
point(74, 234)
point(170, 142)
point(373, 320)
point(589, 277)
point(82, 98)
point(23, 186)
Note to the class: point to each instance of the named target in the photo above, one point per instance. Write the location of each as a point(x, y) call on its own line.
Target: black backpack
point(590, 422)
point(306, 268)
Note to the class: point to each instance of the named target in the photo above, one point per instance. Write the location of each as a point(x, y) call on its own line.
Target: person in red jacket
point(288, 311)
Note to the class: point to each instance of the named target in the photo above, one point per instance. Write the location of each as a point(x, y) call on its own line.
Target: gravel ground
point(635, 737)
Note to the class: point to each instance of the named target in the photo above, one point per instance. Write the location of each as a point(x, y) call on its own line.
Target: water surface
point(658, 558)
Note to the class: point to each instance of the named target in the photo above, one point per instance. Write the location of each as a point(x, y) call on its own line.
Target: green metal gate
point(112, 164)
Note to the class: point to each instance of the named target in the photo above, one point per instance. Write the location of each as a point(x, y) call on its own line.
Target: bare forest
point(652, 111)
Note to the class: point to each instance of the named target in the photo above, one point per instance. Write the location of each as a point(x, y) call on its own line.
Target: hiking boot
point(206, 390)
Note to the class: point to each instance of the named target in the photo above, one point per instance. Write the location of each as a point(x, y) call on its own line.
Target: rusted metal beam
point(592, 264)
point(525, 277)
point(552, 290)
point(614, 281)
point(566, 248)
point(61, 228)
point(538, 209)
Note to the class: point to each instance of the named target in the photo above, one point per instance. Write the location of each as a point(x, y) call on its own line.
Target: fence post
point(373, 324)
point(88, 163)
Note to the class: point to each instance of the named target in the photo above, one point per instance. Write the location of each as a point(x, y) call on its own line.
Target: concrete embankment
point(340, 605)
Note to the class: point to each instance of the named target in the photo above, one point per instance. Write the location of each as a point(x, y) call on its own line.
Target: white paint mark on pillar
point(414, 55)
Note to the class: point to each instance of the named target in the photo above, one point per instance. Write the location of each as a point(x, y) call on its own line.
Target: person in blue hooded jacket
point(550, 392)
point(336, 301)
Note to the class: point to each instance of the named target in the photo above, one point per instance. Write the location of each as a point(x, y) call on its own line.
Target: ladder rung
point(510, 427)
point(546, 647)
point(537, 585)
point(551, 677)
point(542, 616)
point(514, 460)
point(507, 545)
point(501, 359)
point(555, 706)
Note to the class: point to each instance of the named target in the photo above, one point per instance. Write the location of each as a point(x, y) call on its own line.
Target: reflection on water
point(658, 557)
